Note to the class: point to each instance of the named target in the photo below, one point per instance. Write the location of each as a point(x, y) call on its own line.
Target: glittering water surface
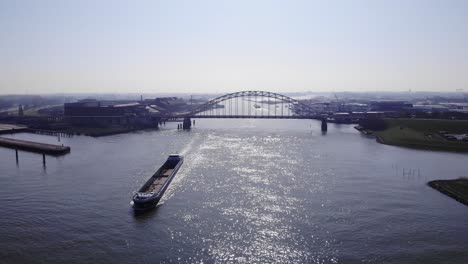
point(249, 191)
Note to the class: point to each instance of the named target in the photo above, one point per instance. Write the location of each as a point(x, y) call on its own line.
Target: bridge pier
point(155, 121)
point(187, 123)
point(324, 125)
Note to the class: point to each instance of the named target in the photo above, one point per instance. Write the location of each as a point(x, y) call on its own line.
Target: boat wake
point(190, 160)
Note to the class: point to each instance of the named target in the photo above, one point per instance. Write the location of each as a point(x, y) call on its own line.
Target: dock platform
point(55, 150)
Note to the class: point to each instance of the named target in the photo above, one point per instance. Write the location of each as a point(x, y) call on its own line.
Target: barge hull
point(152, 191)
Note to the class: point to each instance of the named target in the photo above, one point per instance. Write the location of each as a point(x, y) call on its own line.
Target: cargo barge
point(151, 192)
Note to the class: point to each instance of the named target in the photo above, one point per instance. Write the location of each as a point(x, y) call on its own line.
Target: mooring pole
point(324, 124)
point(187, 123)
point(43, 159)
point(17, 161)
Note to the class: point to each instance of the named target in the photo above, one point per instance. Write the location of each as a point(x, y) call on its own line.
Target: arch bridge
point(253, 104)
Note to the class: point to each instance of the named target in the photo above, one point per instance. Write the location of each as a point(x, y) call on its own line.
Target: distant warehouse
point(93, 112)
point(390, 106)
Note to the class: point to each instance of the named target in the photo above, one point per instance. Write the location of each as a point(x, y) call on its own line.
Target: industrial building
point(390, 106)
point(92, 112)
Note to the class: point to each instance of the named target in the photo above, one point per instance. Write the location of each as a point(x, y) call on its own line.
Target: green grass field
point(423, 133)
point(457, 189)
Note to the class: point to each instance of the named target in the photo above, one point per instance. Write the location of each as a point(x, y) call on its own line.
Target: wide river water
point(249, 191)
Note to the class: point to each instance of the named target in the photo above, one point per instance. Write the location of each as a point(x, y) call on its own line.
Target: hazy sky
point(224, 46)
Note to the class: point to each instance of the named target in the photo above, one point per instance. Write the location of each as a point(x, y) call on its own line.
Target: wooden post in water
point(17, 161)
point(187, 123)
point(324, 125)
point(43, 159)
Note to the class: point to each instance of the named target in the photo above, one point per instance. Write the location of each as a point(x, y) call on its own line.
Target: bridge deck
point(250, 116)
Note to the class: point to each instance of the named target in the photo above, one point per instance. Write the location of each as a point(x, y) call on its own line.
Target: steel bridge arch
point(301, 108)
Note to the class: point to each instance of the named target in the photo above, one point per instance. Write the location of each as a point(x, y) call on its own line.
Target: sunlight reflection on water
point(249, 191)
point(256, 225)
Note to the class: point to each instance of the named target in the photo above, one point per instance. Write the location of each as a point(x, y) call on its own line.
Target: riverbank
point(422, 133)
point(457, 189)
point(71, 130)
point(99, 132)
point(363, 130)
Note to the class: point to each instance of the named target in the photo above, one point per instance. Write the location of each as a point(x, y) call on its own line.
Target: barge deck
point(151, 192)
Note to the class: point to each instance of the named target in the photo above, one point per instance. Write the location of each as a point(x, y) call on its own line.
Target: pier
point(10, 129)
point(55, 150)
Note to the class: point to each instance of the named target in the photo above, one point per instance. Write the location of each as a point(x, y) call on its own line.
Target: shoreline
point(421, 134)
point(456, 189)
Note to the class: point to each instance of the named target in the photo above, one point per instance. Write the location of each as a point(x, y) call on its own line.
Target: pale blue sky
point(224, 46)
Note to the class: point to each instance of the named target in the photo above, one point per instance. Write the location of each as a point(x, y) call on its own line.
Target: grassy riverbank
point(423, 133)
point(457, 189)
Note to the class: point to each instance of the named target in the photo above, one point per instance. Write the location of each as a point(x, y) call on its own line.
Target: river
point(250, 190)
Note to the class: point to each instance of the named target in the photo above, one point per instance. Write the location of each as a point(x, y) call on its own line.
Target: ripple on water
point(253, 222)
point(257, 193)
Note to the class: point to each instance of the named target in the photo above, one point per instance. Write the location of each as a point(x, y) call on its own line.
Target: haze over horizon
point(227, 46)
